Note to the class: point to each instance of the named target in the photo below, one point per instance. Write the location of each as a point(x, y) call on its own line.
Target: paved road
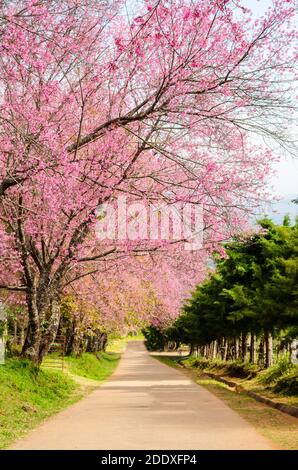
point(146, 405)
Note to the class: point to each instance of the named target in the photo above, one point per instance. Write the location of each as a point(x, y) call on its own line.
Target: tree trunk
point(252, 351)
point(2, 348)
point(261, 355)
point(52, 329)
point(75, 345)
point(214, 349)
point(97, 342)
point(38, 341)
point(225, 349)
point(243, 346)
point(104, 340)
point(268, 349)
point(70, 334)
point(15, 332)
point(33, 337)
point(22, 337)
point(208, 351)
point(294, 351)
point(230, 350)
point(236, 348)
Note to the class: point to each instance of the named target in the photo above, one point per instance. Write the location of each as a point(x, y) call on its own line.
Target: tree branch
point(13, 288)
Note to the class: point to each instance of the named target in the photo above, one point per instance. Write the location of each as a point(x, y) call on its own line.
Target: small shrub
point(239, 369)
point(288, 384)
point(195, 362)
point(242, 370)
point(274, 373)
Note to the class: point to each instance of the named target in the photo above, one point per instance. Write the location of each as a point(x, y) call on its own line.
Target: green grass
point(137, 337)
point(279, 382)
point(237, 369)
point(116, 345)
point(29, 395)
point(92, 367)
point(169, 361)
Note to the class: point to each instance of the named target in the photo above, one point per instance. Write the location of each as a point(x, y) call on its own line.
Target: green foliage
point(28, 395)
point(192, 361)
point(253, 290)
point(241, 370)
point(274, 373)
point(288, 384)
point(89, 365)
point(155, 338)
point(237, 369)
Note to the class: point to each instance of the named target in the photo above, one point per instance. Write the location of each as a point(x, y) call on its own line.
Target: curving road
point(146, 405)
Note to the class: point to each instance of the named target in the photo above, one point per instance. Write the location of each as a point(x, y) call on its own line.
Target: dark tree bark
point(225, 349)
point(268, 349)
point(243, 346)
point(191, 350)
point(261, 355)
point(49, 337)
point(33, 336)
point(252, 349)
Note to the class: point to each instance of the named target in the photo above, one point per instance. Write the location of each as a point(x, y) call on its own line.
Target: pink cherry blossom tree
point(160, 107)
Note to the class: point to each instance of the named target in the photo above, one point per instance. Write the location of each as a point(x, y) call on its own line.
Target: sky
point(285, 180)
point(285, 187)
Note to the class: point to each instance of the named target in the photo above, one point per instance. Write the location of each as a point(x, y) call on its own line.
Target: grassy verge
point(94, 367)
point(280, 428)
point(116, 345)
point(279, 382)
point(103, 365)
point(137, 337)
point(29, 395)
